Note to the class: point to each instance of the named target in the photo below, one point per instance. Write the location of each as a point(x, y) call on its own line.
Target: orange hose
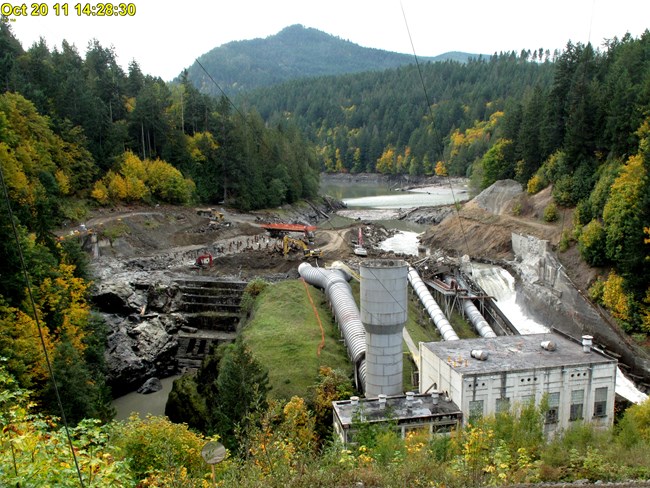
point(320, 324)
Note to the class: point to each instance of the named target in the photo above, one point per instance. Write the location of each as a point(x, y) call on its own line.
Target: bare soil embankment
point(483, 227)
point(169, 238)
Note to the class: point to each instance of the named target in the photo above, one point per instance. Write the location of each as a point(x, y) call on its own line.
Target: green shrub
point(551, 213)
point(253, 289)
point(596, 291)
point(157, 449)
point(591, 243)
point(563, 191)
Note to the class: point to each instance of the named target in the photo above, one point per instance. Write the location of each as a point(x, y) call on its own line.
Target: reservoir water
point(367, 201)
point(381, 203)
point(381, 196)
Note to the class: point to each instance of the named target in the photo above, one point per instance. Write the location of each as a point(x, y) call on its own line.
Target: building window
point(527, 400)
point(552, 413)
point(577, 398)
point(503, 405)
point(475, 409)
point(600, 402)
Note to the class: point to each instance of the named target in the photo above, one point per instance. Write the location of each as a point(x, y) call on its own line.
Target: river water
point(500, 284)
point(143, 405)
point(381, 203)
point(378, 202)
point(366, 201)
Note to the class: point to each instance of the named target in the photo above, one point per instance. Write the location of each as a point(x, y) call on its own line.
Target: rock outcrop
point(152, 385)
point(139, 310)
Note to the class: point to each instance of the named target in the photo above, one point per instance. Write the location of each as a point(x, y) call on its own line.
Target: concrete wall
point(547, 293)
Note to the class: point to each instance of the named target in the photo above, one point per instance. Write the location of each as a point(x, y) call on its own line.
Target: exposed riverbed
point(382, 201)
point(368, 201)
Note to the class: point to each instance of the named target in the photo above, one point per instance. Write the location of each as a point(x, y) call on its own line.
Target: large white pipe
point(338, 292)
point(475, 317)
point(446, 330)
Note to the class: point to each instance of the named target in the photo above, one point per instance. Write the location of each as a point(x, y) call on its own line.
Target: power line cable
point(426, 96)
point(223, 93)
point(38, 325)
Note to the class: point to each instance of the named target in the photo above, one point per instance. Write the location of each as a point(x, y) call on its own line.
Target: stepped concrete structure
point(212, 311)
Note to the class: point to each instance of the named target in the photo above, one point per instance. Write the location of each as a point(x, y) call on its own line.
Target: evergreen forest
point(77, 132)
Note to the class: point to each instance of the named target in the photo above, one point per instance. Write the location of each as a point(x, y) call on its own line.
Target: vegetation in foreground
point(282, 449)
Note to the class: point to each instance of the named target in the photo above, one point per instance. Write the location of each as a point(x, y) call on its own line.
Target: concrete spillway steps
point(212, 312)
point(211, 295)
point(192, 347)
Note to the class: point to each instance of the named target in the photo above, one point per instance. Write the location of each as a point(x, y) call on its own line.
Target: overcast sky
point(165, 36)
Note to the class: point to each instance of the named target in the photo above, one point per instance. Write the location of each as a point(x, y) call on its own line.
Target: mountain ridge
point(294, 52)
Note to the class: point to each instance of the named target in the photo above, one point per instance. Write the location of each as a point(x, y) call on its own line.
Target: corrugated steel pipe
point(431, 306)
point(337, 290)
point(475, 317)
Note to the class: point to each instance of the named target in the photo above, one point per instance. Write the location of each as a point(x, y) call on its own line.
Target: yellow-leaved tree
point(616, 299)
point(386, 164)
point(167, 183)
point(62, 304)
point(31, 153)
point(136, 180)
point(20, 345)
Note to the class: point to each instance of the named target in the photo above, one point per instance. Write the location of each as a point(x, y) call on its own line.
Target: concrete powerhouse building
point(458, 379)
point(489, 375)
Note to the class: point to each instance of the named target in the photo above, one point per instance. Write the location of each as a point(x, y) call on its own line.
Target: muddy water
point(151, 403)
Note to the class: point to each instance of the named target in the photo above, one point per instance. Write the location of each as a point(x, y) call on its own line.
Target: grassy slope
point(284, 336)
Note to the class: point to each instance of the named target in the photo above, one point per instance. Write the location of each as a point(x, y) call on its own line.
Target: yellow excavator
point(287, 242)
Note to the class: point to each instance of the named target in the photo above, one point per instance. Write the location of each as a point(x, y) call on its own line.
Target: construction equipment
point(216, 217)
point(359, 250)
point(211, 213)
point(280, 229)
point(288, 242)
point(203, 261)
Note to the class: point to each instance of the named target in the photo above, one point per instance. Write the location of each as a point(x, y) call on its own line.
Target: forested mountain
point(76, 131)
point(295, 52)
point(354, 119)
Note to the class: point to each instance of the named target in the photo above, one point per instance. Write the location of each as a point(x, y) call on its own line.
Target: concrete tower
point(383, 314)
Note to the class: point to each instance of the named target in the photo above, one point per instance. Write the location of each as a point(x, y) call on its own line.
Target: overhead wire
point(263, 143)
point(428, 101)
point(223, 93)
point(38, 325)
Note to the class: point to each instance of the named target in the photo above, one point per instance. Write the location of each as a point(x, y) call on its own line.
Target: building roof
point(396, 409)
point(514, 353)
